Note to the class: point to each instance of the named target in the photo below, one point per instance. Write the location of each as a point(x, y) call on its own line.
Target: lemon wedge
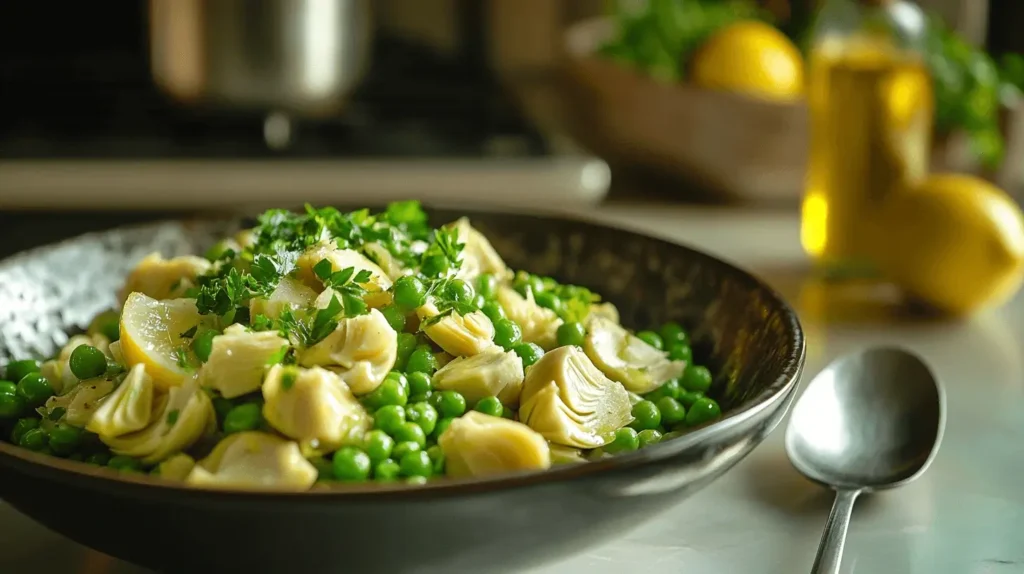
point(151, 335)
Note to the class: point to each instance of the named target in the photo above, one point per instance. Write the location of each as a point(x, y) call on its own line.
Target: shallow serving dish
point(740, 327)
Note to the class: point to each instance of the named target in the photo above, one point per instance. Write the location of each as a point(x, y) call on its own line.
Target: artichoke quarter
point(494, 372)
point(238, 360)
point(361, 349)
point(626, 358)
point(254, 459)
point(571, 402)
point(476, 444)
point(458, 335)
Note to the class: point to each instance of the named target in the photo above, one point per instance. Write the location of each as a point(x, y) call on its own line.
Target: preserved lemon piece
point(478, 255)
point(539, 324)
point(955, 242)
point(377, 287)
point(459, 335)
point(161, 278)
point(127, 409)
point(238, 360)
point(492, 373)
point(626, 358)
point(184, 414)
point(362, 349)
point(151, 335)
point(476, 444)
point(312, 406)
point(289, 295)
point(254, 459)
point(570, 402)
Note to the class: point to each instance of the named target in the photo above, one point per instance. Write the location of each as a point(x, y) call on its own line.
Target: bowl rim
point(775, 393)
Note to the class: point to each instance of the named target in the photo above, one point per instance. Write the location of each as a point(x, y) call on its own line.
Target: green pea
point(395, 317)
point(442, 425)
point(35, 439)
point(351, 464)
point(688, 398)
point(419, 383)
point(651, 338)
point(702, 411)
point(378, 445)
point(696, 378)
point(324, 469)
point(530, 353)
point(11, 405)
point(202, 344)
point(416, 464)
point(648, 437)
point(490, 406)
point(407, 343)
point(16, 370)
point(672, 412)
point(87, 362)
point(486, 285)
point(507, 413)
point(571, 333)
point(669, 388)
point(434, 265)
point(34, 388)
point(449, 403)
point(121, 462)
point(386, 470)
point(417, 480)
point(65, 439)
point(421, 398)
point(21, 427)
point(535, 284)
point(244, 417)
point(507, 333)
point(108, 324)
point(393, 390)
point(388, 418)
point(8, 388)
point(494, 311)
point(549, 300)
point(221, 406)
point(437, 458)
point(645, 416)
point(672, 334)
point(423, 415)
point(460, 291)
point(625, 440)
point(410, 432)
point(401, 448)
point(478, 302)
point(681, 352)
point(409, 292)
point(422, 360)
point(98, 458)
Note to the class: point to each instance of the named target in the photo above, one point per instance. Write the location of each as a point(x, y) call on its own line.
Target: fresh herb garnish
point(57, 413)
point(172, 417)
point(189, 333)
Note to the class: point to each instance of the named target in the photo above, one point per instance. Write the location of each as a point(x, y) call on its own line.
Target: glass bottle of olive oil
point(871, 107)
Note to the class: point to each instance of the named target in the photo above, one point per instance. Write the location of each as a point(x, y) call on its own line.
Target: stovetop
point(97, 100)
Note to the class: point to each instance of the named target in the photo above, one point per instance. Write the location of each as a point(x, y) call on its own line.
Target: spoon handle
point(830, 549)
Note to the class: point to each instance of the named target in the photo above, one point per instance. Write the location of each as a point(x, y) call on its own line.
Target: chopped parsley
point(172, 417)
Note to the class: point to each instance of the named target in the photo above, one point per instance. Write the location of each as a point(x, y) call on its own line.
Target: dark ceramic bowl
point(741, 328)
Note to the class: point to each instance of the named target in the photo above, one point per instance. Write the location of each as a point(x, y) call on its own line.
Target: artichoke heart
point(377, 287)
point(458, 335)
point(177, 467)
point(254, 459)
point(127, 409)
point(494, 372)
point(161, 278)
point(361, 349)
point(238, 360)
point(478, 255)
point(312, 406)
point(181, 418)
point(539, 324)
point(80, 402)
point(58, 370)
point(561, 454)
point(626, 358)
point(476, 444)
point(289, 295)
point(570, 402)
point(604, 310)
point(380, 255)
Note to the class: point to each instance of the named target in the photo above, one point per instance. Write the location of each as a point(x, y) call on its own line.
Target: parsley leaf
point(189, 333)
point(325, 321)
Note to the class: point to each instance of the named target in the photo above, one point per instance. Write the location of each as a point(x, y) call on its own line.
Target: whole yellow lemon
point(751, 58)
point(954, 241)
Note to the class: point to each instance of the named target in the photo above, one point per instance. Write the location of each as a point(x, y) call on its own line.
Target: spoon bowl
point(869, 421)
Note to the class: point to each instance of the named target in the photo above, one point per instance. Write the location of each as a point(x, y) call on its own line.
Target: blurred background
point(185, 104)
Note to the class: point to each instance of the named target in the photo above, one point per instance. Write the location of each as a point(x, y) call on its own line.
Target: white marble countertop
point(964, 516)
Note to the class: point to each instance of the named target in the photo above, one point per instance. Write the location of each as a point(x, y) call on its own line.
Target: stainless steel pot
point(302, 57)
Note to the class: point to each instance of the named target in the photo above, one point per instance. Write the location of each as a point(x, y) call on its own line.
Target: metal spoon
point(871, 420)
